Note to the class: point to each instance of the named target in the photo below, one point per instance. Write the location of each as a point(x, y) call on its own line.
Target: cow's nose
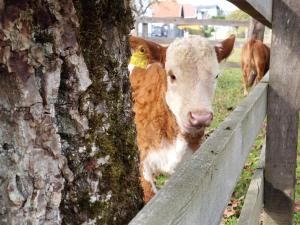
point(200, 119)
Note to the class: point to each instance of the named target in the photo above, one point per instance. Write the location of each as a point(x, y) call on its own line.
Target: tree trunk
point(67, 151)
point(256, 30)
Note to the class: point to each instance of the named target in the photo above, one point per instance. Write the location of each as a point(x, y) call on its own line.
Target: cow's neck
point(153, 119)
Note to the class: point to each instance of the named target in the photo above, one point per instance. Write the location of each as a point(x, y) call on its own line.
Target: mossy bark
point(67, 141)
point(106, 187)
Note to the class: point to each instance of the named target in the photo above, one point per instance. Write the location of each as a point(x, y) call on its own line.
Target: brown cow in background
point(255, 60)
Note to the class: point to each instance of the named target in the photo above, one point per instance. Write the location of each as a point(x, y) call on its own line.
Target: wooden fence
point(184, 21)
point(193, 21)
point(199, 191)
point(201, 188)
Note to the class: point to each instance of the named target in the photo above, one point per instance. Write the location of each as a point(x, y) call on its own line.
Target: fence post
point(256, 30)
point(283, 114)
point(145, 30)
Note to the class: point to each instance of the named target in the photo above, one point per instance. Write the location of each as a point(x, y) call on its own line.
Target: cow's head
point(192, 66)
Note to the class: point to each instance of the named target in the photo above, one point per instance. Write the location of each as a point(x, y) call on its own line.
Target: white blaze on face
point(192, 67)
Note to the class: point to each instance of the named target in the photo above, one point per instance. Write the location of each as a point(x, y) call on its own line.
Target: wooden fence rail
point(258, 9)
point(201, 188)
point(193, 21)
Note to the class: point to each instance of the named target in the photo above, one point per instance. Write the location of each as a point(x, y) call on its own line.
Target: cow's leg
point(246, 74)
point(260, 67)
point(147, 182)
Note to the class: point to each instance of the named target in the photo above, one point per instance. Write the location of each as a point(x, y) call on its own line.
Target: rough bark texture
point(106, 188)
point(66, 123)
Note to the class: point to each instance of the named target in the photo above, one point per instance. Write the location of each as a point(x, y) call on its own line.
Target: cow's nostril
point(200, 119)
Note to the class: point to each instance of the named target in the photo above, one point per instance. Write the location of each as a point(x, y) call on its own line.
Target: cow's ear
point(224, 48)
point(154, 51)
point(135, 42)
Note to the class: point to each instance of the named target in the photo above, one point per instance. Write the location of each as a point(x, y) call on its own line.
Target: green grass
point(235, 55)
point(297, 188)
point(160, 181)
point(229, 94)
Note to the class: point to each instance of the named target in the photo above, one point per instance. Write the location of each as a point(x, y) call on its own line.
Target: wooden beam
point(252, 208)
point(201, 188)
point(261, 10)
point(192, 21)
point(283, 114)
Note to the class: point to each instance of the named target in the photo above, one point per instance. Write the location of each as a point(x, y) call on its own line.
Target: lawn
point(228, 95)
point(297, 189)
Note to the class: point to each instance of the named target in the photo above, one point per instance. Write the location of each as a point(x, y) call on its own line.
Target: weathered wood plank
point(252, 208)
point(192, 21)
point(200, 190)
point(258, 9)
point(283, 114)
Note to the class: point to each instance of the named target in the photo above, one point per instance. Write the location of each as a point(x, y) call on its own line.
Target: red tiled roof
point(166, 9)
point(189, 11)
point(172, 9)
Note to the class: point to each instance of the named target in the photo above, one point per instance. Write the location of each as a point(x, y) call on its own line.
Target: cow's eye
point(142, 50)
point(172, 77)
point(217, 76)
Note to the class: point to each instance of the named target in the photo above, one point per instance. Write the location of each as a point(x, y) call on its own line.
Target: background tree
point(140, 7)
point(256, 29)
point(67, 152)
point(239, 15)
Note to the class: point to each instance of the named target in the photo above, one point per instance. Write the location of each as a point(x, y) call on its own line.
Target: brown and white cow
point(255, 60)
point(173, 105)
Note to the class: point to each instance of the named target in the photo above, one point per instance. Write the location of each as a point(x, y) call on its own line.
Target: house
point(170, 9)
point(173, 9)
point(208, 11)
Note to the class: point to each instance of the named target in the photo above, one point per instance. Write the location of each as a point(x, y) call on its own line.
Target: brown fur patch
point(255, 58)
point(194, 140)
point(154, 121)
point(223, 49)
point(147, 189)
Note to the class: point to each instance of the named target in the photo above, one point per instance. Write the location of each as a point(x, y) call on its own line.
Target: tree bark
point(67, 151)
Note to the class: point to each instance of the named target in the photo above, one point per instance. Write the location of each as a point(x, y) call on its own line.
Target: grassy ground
point(228, 95)
point(297, 191)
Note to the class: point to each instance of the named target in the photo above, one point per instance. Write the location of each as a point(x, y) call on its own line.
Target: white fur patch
point(165, 159)
point(130, 68)
point(194, 63)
